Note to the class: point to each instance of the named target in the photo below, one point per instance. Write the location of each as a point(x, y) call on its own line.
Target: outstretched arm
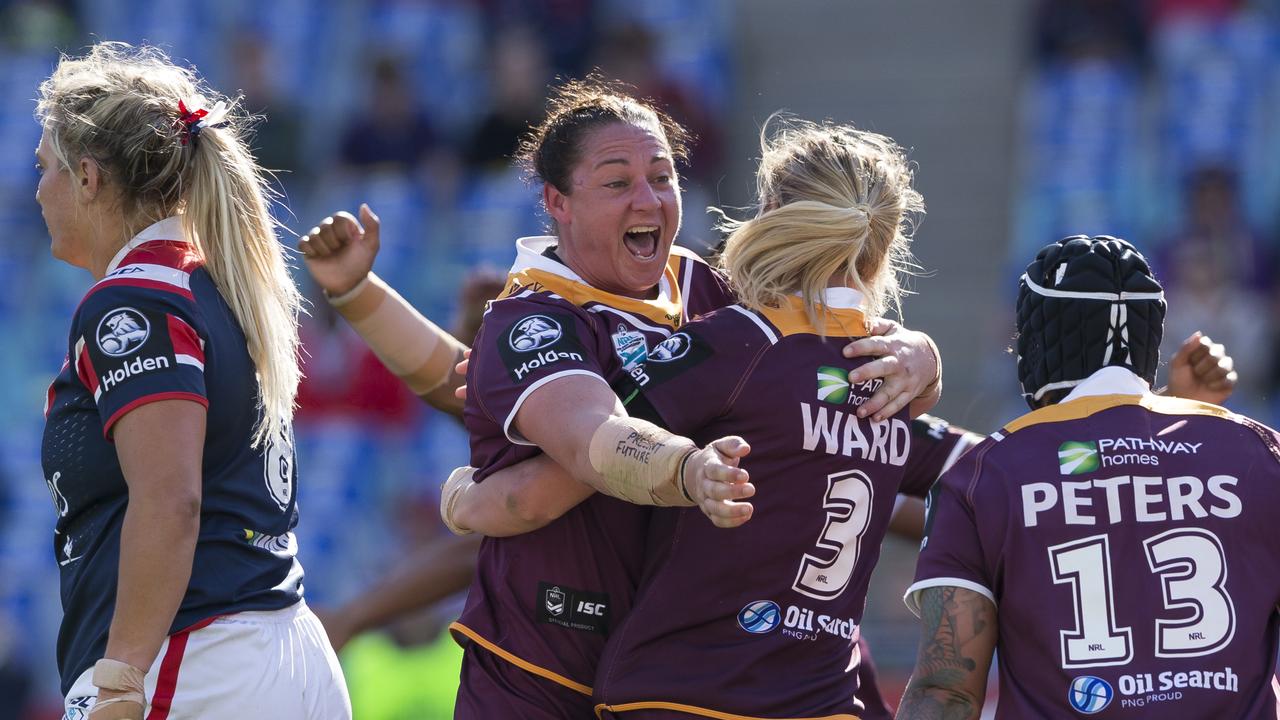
point(957, 638)
point(581, 424)
point(339, 255)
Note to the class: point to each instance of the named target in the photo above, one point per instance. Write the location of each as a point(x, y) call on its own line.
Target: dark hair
point(577, 107)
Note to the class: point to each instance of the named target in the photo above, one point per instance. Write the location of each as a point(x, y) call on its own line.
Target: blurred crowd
point(1156, 120)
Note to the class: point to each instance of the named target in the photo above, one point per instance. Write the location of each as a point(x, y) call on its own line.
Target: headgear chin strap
point(1084, 304)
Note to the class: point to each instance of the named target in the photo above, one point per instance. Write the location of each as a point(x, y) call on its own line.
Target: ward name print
point(1130, 498)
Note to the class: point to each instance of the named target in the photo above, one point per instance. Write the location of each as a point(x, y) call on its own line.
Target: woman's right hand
point(339, 252)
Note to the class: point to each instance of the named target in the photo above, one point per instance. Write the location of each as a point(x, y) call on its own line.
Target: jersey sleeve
point(523, 345)
point(705, 289)
point(952, 554)
point(693, 375)
point(936, 445)
point(134, 345)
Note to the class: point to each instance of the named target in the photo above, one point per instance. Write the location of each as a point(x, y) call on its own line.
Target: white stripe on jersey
point(155, 273)
point(764, 328)
point(966, 441)
point(75, 365)
point(189, 360)
point(912, 596)
point(635, 321)
point(514, 435)
point(687, 266)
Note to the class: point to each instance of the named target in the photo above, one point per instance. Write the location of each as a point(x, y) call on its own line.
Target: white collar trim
point(169, 228)
point(1111, 380)
point(841, 298)
point(529, 257)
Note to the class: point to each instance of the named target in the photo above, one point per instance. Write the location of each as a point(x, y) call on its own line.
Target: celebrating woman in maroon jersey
point(783, 599)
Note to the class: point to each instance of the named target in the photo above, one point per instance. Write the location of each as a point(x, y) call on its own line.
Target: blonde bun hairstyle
point(834, 201)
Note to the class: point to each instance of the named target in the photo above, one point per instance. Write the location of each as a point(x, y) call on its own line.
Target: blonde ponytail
point(227, 214)
point(119, 105)
point(835, 202)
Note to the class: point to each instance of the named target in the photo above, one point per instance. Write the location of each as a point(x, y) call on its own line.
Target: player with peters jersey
point(1113, 544)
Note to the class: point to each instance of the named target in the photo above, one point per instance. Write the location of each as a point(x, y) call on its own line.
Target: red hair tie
point(190, 120)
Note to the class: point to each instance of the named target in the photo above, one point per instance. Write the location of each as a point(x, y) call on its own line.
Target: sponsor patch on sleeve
point(573, 609)
point(127, 342)
point(537, 341)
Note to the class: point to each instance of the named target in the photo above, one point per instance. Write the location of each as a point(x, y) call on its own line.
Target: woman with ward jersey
point(592, 210)
point(831, 231)
point(168, 443)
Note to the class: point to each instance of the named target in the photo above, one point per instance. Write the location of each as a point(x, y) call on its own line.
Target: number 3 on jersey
point(848, 506)
point(1192, 569)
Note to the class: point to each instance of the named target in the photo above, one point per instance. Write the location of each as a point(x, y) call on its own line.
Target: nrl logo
point(631, 347)
point(555, 601)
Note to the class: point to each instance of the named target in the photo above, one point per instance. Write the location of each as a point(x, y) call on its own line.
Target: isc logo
point(590, 608)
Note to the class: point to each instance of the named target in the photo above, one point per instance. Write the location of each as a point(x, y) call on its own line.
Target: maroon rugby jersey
point(762, 620)
point(1129, 543)
point(546, 600)
point(936, 445)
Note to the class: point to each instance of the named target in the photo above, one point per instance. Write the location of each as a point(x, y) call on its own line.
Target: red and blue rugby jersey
point(156, 328)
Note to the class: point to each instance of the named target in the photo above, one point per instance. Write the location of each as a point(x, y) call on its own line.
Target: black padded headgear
point(1083, 304)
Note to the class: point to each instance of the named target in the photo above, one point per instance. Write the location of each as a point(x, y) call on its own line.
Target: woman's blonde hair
point(834, 201)
point(119, 106)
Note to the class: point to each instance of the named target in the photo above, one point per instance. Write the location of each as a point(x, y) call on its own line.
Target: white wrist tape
point(641, 463)
point(412, 347)
point(458, 483)
point(120, 677)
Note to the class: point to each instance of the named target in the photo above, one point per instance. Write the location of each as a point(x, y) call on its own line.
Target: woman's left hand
point(907, 360)
point(717, 485)
point(115, 710)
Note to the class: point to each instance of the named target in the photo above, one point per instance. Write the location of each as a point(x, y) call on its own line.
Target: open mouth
point(642, 241)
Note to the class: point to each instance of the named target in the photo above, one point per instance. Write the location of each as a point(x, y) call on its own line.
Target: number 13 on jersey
point(1192, 569)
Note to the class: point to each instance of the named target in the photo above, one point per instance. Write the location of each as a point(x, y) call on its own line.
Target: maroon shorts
point(494, 688)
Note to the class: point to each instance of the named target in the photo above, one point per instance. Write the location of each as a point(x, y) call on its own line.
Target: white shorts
point(275, 664)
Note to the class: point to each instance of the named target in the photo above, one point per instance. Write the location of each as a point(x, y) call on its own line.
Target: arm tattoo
point(950, 668)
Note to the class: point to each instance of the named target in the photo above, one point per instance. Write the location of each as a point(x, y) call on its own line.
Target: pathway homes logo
point(1080, 457)
point(833, 384)
point(1077, 458)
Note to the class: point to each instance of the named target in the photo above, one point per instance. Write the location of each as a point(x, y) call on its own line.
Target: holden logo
point(534, 333)
point(122, 331)
point(673, 348)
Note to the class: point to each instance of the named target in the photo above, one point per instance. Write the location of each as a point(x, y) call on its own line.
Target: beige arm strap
point(410, 345)
point(640, 462)
point(120, 677)
point(459, 482)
